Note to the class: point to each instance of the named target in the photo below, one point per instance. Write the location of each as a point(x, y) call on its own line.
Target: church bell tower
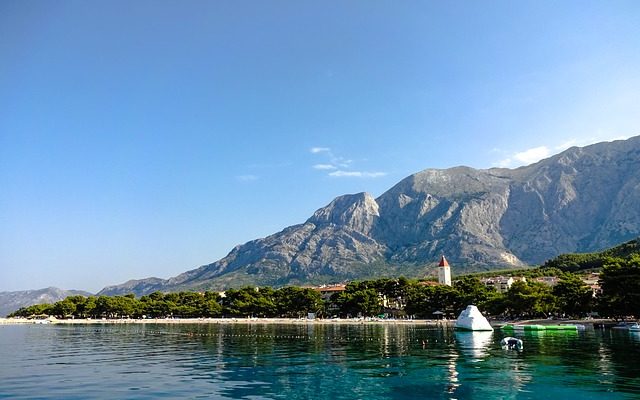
point(444, 272)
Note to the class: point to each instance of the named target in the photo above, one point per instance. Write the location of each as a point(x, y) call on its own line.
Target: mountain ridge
point(582, 199)
point(11, 301)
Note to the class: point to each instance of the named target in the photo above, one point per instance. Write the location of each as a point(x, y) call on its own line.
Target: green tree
point(472, 291)
point(88, 308)
point(395, 291)
point(124, 306)
point(104, 307)
point(211, 307)
point(63, 308)
point(496, 304)
point(529, 299)
point(424, 301)
point(620, 283)
point(358, 300)
point(154, 306)
point(80, 303)
point(296, 302)
point(418, 302)
point(573, 296)
point(249, 301)
point(366, 302)
point(188, 304)
point(156, 296)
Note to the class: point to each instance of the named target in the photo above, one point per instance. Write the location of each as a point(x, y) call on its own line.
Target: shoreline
point(245, 321)
point(496, 324)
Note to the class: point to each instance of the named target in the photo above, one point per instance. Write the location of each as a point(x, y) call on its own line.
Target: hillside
point(583, 261)
point(11, 301)
point(581, 200)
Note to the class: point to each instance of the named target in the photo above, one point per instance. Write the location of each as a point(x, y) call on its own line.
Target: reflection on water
point(474, 344)
point(454, 382)
point(311, 361)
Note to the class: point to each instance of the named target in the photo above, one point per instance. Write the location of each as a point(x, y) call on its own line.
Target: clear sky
point(147, 138)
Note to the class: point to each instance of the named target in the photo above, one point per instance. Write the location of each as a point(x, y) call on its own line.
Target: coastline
point(446, 323)
point(275, 321)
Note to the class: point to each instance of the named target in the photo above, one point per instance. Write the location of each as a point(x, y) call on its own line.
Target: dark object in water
point(511, 343)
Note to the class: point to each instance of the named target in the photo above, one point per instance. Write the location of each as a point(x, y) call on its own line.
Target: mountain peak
point(355, 211)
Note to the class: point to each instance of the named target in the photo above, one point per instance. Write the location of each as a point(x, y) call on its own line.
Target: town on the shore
point(570, 286)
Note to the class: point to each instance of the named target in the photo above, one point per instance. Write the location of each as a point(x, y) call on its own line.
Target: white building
point(502, 284)
point(548, 280)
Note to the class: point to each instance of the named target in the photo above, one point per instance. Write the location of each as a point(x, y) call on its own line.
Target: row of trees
point(620, 280)
point(248, 301)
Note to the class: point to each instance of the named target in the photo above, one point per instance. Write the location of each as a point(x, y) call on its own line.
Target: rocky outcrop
point(584, 199)
point(455, 211)
point(358, 213)
point(581, 200)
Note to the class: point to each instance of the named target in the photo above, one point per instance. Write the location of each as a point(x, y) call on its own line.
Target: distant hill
point(581, 200)
point(11, 301)
point(583, 261)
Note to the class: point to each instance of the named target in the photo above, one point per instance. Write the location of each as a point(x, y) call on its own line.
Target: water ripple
point(301, 362)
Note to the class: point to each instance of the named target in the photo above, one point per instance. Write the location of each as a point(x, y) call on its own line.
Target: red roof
point(334, 288)
point(443, 262)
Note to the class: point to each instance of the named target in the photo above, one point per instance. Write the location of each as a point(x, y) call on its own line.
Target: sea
point(312, 361)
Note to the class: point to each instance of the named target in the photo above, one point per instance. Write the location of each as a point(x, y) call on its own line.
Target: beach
point(280, 321)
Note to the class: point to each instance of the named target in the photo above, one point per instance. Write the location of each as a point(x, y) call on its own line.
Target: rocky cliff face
point(455, 211)
point(583, 199)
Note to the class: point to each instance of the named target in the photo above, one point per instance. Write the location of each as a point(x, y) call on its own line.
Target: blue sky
point(148, 138)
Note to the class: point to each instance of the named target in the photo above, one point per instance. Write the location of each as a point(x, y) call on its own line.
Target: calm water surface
point(311, 362)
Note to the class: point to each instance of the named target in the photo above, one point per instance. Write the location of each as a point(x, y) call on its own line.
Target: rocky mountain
point(11, 301)
point(581, 200)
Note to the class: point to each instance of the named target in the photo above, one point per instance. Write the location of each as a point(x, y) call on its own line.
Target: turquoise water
point(311, 362)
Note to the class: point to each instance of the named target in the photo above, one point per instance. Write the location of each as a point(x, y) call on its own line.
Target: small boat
point(634, 328)
point(511, 343)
